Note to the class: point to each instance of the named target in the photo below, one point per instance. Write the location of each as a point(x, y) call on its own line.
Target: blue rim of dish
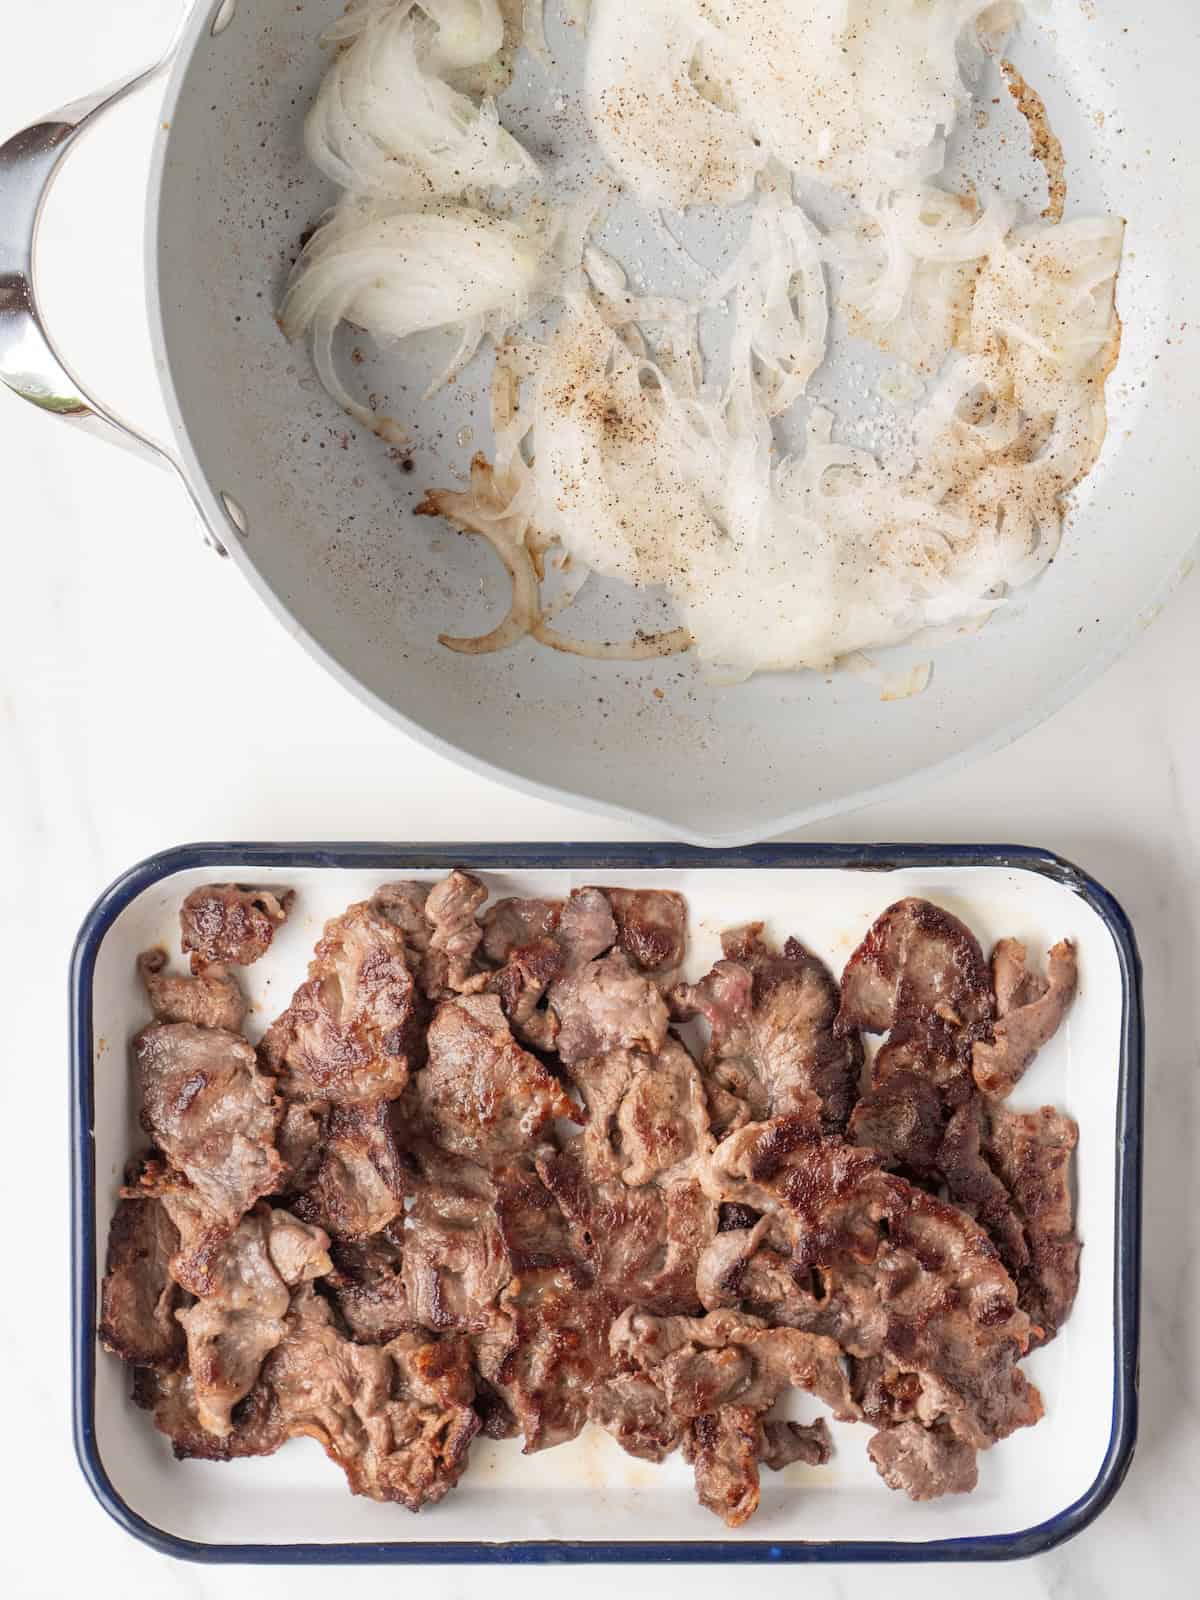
point(594, 857)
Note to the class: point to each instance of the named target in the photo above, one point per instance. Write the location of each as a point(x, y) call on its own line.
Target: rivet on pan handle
point(30, 363)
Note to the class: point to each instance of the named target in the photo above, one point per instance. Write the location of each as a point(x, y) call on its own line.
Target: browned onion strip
point(649, 647)
point(480, 511)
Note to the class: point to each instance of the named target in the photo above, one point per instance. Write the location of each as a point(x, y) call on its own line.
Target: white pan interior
point(329, 536)
point(592, 1490)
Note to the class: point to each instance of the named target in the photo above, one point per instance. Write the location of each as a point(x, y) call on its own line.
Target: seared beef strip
point(545, 1350)
point(632, 1407)
point(723, 1447)
point(455, 1261)
point(924, 1462)
point(450, 910)
point(212, 1000)
point(586, 928)
point(171, 1396)
point(1031, 1152)
point(481, 1095)
point(231, 1330)
point(403, 904)
point(726, 1358)
point(228, 923)
point(212, 1113)
point(908, 1277)
point(355, 1030)
point(299, 1144)
point(396, 1418)
point(923, 1113)
point(916, 959)
point(1030, 1010)
point(642, 1245)
point(367, 1286)
point(647, 1116)
point(903, 1119)
point(512, 924)
point(139, 1297)
point(521, 984)
point(773, 1048)
point(607, 1005)
point(651, 927)
point(786, 1442)
point(976, 1189)
point(359, 1184)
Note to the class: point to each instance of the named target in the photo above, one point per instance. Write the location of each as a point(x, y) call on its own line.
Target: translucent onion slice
point(394, 273)
point(385, 122)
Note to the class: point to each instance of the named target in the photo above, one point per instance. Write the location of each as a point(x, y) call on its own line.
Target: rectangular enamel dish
point(588, 1501)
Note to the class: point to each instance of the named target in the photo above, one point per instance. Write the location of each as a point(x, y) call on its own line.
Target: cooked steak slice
point(786, 1442)
point(496, 1420)
point(397, 1418)
point(723, 1447)
point(512, 924)
point(231, 1330)
point(368, 1288)
point(455, 1261)
point(481, 1095)
point(545, 1351)
point(299, 1144)
point(651, 927)
point(925, 1462)
point(139, 1297)
point(910, 1276)
point(1031, 1152)
point(773, 1047)
point(641, 1245)
point(1030, 1010)
point(725, 1358)
point(633, 1408)
point(535, 1232)
point(212, 1000)
point(228, 923)
point(521, 984)
point(586, 928)
point(721, 1269)
point(355, 1030)
point(171, 1396)
point(403, 905)
point(607, 1005)
point(916, 959)
point(886, 1394)
point(647, 1115)
point(450, 910)
point(360, 1182)
point(903, 1120)
point(972, 1185)
point(212, 1112)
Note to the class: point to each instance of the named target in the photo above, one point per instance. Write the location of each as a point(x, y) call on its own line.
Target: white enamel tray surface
point(590, 1490)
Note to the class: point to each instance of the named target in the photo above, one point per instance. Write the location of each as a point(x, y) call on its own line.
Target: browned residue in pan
point(1047, 147)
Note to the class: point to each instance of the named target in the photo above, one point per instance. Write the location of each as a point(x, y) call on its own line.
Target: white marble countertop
point(107, 717)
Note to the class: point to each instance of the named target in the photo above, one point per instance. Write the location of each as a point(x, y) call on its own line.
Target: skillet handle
point(30, 363)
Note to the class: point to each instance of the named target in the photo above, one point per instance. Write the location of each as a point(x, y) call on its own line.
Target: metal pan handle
point(30, 362)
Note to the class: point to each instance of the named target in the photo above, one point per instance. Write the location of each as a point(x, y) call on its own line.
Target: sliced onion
point(480, 511)
point(386, 122)
point(645, 647)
